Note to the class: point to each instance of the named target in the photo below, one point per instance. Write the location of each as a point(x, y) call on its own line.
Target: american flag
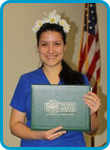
point(89, 59)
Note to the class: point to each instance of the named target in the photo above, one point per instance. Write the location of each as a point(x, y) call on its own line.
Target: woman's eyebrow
point(53, 41)
point(43, 41)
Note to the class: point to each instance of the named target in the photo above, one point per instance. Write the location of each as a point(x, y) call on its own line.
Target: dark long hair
point(67, 75)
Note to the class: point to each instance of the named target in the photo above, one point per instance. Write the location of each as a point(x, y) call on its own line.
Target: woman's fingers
point(56, 135)
point(92, 98)
point(53, 133)
point(93, 101)
point(94, 95)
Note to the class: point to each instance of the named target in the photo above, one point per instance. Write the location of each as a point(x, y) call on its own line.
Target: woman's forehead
point(51, 35)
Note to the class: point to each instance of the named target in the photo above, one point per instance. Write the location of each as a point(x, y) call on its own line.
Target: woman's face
point(51, 48)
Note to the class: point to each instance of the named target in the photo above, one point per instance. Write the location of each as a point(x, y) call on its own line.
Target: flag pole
point(86, 55)
point(87, 61)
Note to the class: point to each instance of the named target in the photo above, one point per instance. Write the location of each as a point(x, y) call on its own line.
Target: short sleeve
point(86, 81)
point(19, 98)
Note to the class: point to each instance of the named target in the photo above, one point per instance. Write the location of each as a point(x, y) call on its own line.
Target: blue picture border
point(1, 71)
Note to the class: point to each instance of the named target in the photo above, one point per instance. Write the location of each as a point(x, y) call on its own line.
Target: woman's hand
point(50, 134)
point(93, 102)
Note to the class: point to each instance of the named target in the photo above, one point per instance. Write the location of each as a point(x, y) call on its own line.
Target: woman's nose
point(51, 49)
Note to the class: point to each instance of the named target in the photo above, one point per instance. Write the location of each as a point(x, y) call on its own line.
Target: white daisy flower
point(39, 23)
point(35, 28)
point(62, 22)
point(53, 17)
point(66, 28)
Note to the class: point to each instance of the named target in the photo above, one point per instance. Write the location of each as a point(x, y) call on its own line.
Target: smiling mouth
point(51, 57)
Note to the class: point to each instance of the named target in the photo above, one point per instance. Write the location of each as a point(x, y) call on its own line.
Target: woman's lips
point(51, 57)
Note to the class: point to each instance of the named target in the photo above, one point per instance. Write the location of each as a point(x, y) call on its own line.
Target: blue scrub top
point(22, 102)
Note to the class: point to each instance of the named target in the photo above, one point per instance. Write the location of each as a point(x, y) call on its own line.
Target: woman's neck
point(52, 70)
point(52, 73)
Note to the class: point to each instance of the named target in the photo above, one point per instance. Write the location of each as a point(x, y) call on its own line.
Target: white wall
point(20, 53)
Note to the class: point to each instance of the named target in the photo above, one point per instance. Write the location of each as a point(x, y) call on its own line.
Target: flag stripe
point(83, 54)
point(98, 73)
point(93, 65)
point(95, 88)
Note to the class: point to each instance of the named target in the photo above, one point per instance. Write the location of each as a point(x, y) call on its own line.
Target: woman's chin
point(52, 64)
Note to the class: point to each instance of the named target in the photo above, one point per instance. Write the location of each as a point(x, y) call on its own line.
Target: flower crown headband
point(52, 18)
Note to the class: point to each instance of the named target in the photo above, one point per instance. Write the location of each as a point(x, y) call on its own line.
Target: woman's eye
point(57, 44)
point(43, 44)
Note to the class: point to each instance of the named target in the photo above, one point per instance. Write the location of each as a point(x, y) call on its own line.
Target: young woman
point(51, 42)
